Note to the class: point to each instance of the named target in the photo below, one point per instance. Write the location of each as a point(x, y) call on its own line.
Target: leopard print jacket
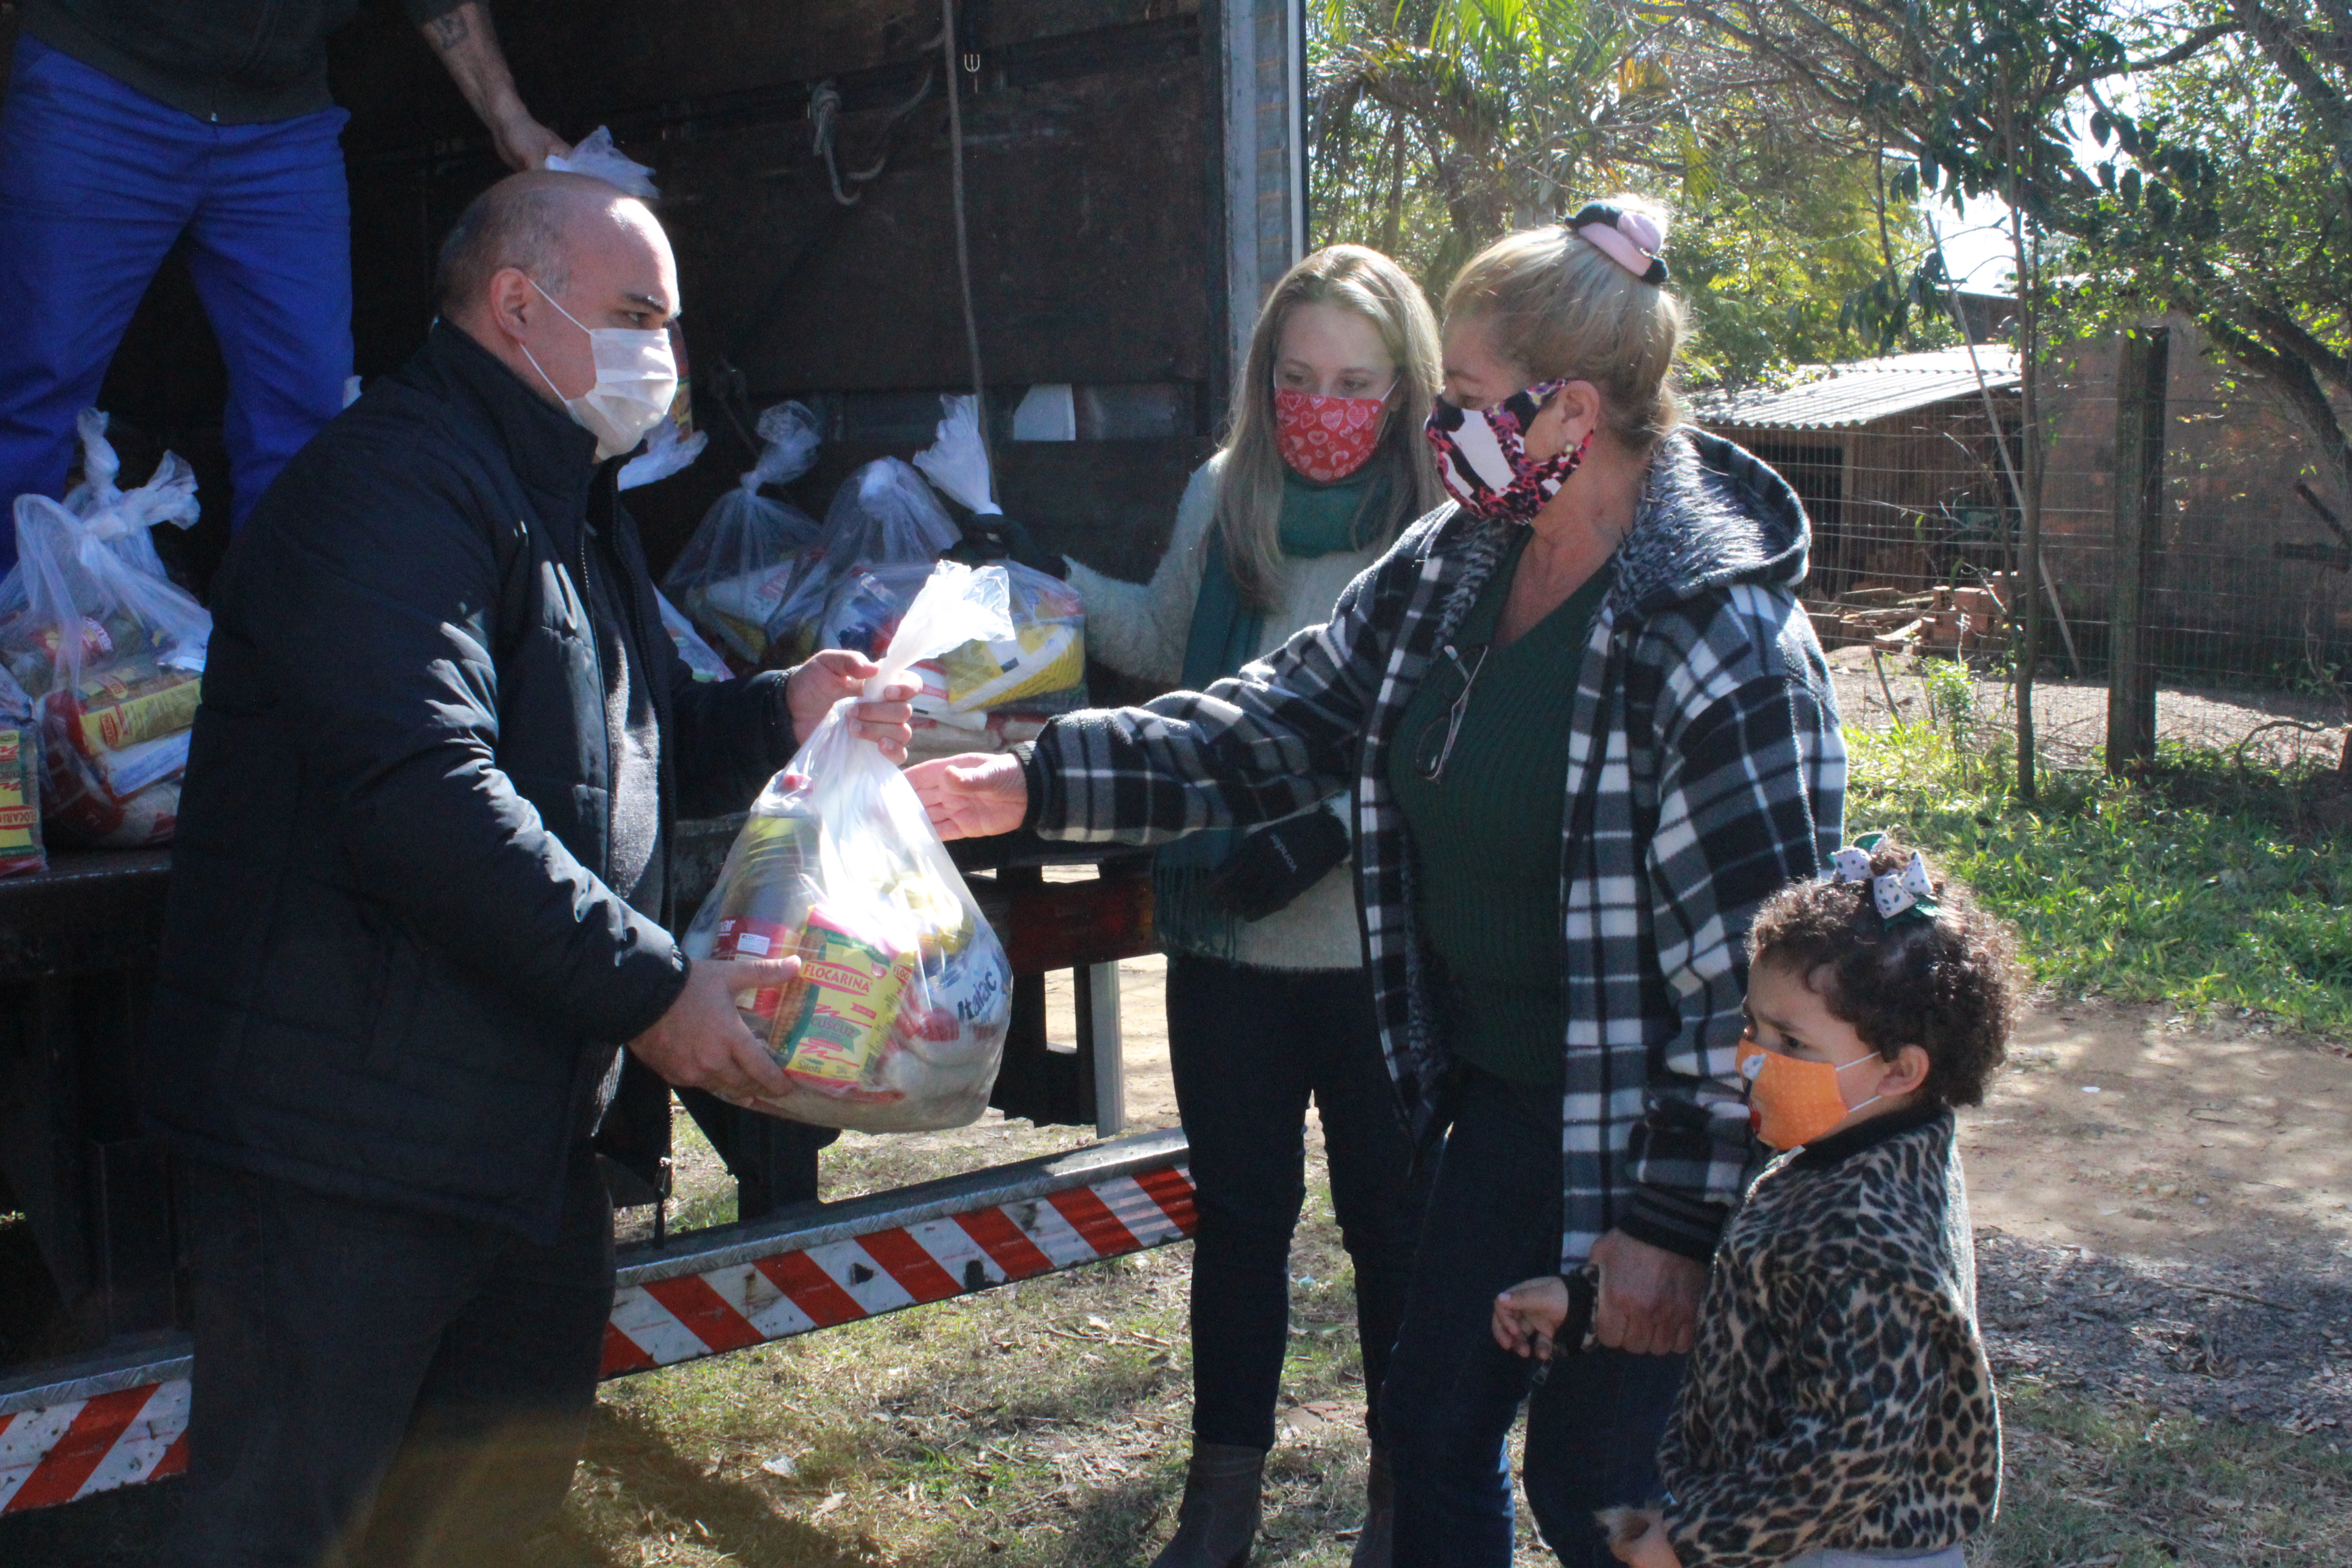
point(1839, 1394)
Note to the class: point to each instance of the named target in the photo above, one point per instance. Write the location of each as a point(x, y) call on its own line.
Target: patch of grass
point(1044, 1425)
point(2206, 885)
point(2123, 1486)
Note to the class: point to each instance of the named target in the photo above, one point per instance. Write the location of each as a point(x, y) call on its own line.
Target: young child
point(1839, 1408)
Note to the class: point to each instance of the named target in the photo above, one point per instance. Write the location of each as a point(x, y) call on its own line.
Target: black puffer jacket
point(392, 967)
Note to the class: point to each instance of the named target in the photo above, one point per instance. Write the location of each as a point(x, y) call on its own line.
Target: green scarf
point(1318, 520)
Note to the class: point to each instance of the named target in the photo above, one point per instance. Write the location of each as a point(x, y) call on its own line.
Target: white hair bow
point(1895, 893)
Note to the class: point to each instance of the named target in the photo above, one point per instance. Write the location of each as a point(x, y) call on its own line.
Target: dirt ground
point(2070, 715)
point(2163, 1207)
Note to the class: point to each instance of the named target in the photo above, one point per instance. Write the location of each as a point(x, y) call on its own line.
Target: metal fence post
point(2141, 369)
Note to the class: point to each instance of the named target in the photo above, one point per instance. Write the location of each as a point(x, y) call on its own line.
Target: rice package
point(895, 1022)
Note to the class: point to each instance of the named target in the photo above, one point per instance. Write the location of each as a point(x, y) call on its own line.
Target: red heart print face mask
point(1325, 439)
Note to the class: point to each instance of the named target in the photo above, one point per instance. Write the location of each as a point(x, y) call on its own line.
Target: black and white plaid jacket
point(1705, 770)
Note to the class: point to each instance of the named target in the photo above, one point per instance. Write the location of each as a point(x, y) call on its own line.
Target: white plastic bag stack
point(896, 1023)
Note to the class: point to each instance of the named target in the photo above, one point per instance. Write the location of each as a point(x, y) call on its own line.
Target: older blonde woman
point(1269, 1005)
point(1589, 732)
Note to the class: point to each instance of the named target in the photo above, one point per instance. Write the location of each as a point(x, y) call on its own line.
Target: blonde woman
point(1268, 1002)
point(1589, 732)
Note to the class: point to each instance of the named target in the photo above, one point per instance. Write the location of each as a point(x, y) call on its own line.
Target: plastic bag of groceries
point(21, 848)
point(734, 576)
point(168, 496)
point(113, 655)
point(700, 655)
point(883, 515)
point(896, 1021)
point(1038, 671)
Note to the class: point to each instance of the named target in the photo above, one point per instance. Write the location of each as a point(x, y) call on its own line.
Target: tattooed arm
point(468, 46)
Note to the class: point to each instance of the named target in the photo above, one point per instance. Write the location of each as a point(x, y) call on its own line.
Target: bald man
point(421, 902)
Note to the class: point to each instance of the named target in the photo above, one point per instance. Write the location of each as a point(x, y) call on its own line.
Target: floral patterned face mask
point(1482, 455)
point(1326, 438)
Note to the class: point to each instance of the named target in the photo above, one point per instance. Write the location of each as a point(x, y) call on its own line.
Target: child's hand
point(1637, 1538)
point(1528, 1313)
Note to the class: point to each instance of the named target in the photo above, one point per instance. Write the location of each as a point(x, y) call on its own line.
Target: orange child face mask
point(1790, 1101)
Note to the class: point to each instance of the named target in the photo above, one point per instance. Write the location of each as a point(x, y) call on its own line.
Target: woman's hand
point(974, 795)
point(1528, 1314)
point(1637, 1538)
point(814, 687)
point(1649, 1297)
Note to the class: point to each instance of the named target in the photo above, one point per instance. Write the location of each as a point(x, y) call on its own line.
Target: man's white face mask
point(636, 380)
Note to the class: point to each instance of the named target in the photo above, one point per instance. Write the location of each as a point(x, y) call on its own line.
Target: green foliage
point(1442, 124)
point(1767, 260)
point(2202, 888)
point(2227, 196)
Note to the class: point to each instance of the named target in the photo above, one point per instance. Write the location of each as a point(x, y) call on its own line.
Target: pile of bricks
point(1949, 622)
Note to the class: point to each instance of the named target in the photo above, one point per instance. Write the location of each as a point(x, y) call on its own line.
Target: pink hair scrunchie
point(1631, 239)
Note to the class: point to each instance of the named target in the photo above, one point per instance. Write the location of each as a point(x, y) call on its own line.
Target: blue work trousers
point(97, 183)
point(1453, 1394)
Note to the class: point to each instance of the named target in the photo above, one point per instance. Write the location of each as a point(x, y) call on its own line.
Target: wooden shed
point(1897, 460)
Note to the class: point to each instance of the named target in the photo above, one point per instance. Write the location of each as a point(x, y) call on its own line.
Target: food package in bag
point(21, 848)
point(885, 514)
point(736, 571)
point(897, 1020)
point(113, 656)
point(1039, 670)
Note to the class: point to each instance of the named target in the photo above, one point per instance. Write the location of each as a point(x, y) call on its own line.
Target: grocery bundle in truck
point(1131, 184)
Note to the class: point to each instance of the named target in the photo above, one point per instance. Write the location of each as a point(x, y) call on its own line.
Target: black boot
point(1218, 1518)
point(1372, 1542)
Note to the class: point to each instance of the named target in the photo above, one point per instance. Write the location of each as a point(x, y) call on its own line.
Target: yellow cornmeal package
point(1041, 659)
point(831, 1035)
point(119, 708)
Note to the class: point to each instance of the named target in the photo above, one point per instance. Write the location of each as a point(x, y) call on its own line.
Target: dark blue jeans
point(97, 183)
point(1453, 1394)
point(1249, 1047)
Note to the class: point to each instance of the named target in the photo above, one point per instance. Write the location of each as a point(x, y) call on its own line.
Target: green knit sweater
point(1485, 836)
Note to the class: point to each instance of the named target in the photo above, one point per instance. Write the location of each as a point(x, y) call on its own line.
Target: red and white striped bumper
point(119, 1421)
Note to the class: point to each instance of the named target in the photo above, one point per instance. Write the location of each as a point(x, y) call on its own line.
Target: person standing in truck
point(133, 125)
point(421, 901)
point(1268, 1002)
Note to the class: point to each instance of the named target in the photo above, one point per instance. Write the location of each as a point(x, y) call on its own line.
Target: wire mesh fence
point(2228, 568)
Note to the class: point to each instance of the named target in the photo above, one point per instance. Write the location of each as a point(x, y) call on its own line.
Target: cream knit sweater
point(1141, 629)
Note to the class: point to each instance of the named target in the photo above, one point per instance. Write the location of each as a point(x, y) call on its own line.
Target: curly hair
point(1949, 984)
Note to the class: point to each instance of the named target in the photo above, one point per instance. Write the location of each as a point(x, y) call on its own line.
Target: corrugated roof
point(1846, 394)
